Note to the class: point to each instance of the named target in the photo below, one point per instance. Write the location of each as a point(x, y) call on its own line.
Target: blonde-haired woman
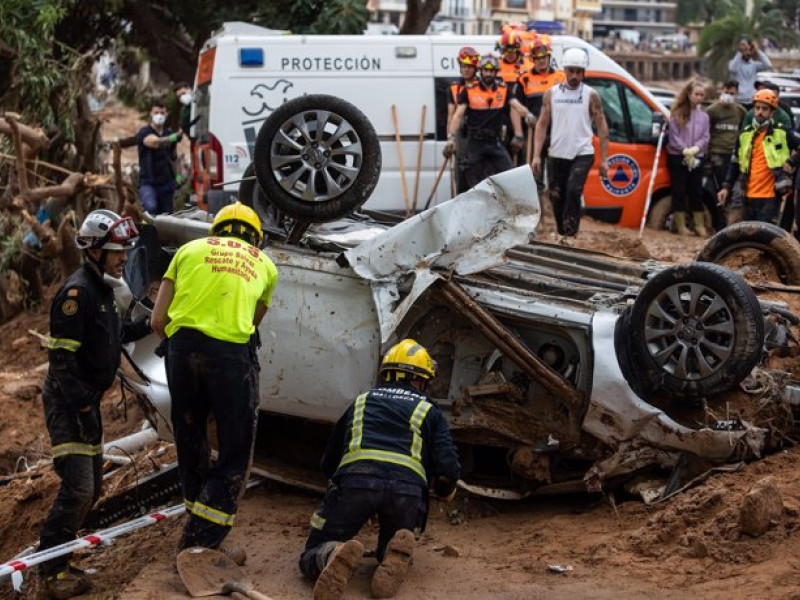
point(686, 150)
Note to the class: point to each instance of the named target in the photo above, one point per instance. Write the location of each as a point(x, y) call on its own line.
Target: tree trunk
point(419, 14)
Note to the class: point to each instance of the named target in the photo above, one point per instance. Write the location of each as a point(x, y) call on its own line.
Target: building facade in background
point(587, 19)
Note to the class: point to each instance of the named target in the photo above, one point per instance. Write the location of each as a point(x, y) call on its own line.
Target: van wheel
point(659, 213)
point(753, 247)
point(696, 330)
point(317, 158)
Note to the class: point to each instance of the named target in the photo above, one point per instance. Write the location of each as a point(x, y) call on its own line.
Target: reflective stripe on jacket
point(403, 449)
point(776, 148)
point(480, 98)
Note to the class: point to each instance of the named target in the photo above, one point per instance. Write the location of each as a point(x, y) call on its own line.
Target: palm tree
point(719, 40)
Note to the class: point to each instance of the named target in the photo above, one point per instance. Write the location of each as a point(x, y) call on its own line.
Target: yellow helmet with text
point(235, 219)
point(409, 357)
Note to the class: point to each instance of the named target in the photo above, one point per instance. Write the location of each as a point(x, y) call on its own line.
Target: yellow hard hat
point(227, 219)
point(409, 357)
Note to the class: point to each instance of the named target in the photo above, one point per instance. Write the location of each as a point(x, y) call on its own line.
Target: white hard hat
point(576, 58)
point(105, 229)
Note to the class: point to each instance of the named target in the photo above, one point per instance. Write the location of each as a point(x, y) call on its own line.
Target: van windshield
point(202, 98)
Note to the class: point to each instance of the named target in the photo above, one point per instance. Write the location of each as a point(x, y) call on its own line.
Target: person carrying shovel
point(391, 444)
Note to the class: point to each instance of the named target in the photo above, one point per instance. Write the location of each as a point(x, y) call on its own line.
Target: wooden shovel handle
point(245, 590)
point(256, 595)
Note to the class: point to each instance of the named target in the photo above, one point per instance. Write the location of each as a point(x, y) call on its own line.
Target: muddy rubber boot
point(341, 565)
point(680, 223)
point(236, 553)
point(389, 575)
point(700, 223)
point(66, 584)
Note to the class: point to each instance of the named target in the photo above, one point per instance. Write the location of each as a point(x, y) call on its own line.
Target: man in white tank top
point(571, 107)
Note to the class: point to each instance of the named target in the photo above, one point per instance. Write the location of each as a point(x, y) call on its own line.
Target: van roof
point(244, 33)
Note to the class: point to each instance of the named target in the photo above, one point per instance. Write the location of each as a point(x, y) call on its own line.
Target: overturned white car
point(559, 368)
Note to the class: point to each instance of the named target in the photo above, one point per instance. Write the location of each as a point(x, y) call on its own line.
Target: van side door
point(620, 198)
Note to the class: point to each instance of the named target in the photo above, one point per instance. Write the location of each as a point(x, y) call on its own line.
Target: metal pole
point(652, 181)
point(93, 539)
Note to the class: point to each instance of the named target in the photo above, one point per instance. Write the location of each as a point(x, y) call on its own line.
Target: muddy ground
point(617, 547)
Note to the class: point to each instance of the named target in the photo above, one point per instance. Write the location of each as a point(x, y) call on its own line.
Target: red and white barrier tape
point(89, 540)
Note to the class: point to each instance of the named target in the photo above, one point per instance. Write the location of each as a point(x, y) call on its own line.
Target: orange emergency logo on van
point(623, 175)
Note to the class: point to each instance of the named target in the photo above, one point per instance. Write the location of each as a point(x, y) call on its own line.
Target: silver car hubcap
point(690, 330)
point(316, 155)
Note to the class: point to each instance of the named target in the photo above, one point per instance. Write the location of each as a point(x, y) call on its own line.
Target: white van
point(245, 72)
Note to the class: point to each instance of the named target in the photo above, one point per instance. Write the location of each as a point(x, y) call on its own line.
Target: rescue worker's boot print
point(66, 584)
point(700, 223)
point(389, 575)
point(341, 565)
point(680, 222)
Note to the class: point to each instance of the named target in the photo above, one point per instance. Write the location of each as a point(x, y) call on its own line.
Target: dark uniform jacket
point(155, 164)
point(487, 108)
point(393, 431)
point(86, 337)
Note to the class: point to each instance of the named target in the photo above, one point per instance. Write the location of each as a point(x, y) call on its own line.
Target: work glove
point(690, 157)
point(174, 137)
point(530, 120)
point(517, 143)
point(179, 179)
point(449, 149)
point(444, 488)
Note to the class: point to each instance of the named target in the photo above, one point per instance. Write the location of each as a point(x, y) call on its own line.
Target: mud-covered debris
point(448, 550)
point(762, 507)
point(559, 569)
point(19, 343)
point(25, 389)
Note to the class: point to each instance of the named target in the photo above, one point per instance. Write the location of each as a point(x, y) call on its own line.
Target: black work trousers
point(77, 440)
point(687, 186)
point(209, 377)
point(485, 157)
point(566, 179)
point(350, 501)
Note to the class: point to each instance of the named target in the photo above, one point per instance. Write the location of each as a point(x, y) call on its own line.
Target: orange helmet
point(540, 47)
point(510, 40)
point(768, 97)
point(468, 56)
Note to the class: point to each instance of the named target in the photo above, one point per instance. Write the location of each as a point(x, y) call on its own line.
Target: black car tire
point(313, 173)
point(637, 380)
point(695, 330)
point(776, 243)
point(251, 194)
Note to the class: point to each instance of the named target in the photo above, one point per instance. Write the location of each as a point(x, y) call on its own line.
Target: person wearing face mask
point(158, 172)
point(486, 105)
point(183, 92)
point(688, 145)
point(725, 120)
point(782, 117)
point(761, 162)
